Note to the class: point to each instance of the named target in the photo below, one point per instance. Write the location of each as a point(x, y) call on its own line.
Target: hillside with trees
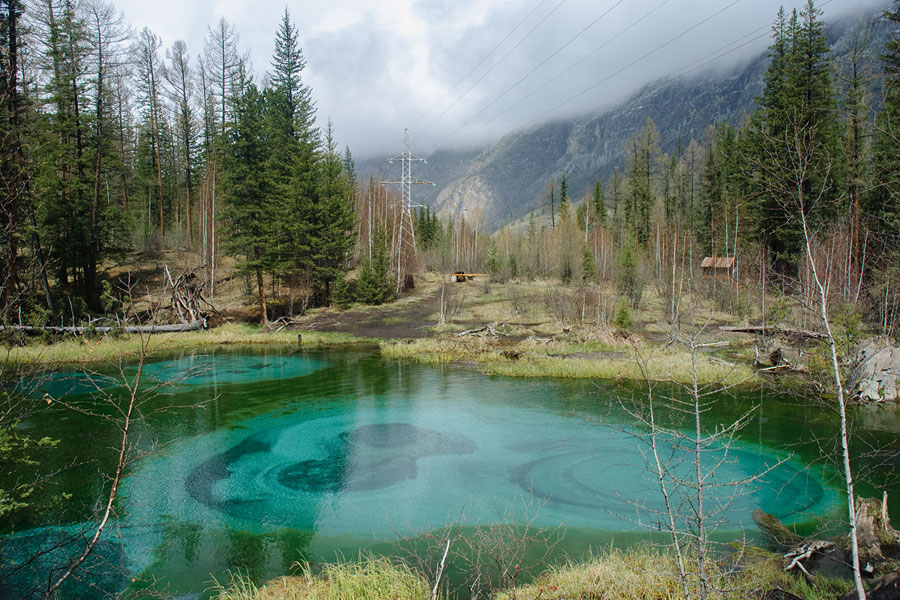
point(117, 149)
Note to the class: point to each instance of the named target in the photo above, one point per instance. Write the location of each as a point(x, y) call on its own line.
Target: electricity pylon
point(406, 236)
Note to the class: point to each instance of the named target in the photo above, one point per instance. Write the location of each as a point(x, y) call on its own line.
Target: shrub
point(340, 293)
point(623, 320)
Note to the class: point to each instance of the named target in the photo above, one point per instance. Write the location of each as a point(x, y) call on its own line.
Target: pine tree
point(884, 200)
point(797, 105)
point(644, 150)
point(288, 64)
point(375, 285)
point(302, 198)
point(718, 187)
point(333, 217)
point(249, 193)
point(599, 204)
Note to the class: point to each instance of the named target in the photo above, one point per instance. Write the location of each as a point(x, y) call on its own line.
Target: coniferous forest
point(149, 190)
point(113, 144)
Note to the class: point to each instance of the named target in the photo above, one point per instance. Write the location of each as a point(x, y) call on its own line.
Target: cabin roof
point(723, 262)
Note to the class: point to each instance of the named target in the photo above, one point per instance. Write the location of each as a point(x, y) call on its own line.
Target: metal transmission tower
point(406, 236)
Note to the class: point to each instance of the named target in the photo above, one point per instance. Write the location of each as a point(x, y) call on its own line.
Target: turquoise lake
point(264, 458)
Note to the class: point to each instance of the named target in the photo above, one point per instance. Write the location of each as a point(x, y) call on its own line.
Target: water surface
point(283, 456)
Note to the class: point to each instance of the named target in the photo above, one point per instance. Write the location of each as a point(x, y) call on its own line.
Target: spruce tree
point(797, 107)
point(374, 285)
point(249, 191)
point(884, 199)
point(294, 161)
point(599, 204)
point(333, 217)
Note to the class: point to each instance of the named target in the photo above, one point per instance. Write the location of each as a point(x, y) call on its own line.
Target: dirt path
point(406, 319)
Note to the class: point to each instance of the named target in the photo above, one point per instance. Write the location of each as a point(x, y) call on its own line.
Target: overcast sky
point(378, 66)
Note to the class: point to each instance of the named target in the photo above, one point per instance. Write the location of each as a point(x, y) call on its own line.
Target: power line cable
point(502, 58)
point(634, 62)
point(546, 60)
point(617, 72)
point(480, 62)
point(569, 68)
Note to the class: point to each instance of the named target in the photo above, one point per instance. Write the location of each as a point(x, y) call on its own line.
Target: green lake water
point(269, 457)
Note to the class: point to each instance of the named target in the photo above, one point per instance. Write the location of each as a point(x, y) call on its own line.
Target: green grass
point(555, 360)
point(644, 572)
point(651, 574)
point(368, 578)
point(88, 349)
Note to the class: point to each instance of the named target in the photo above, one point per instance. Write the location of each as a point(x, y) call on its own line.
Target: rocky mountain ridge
point(507, 180)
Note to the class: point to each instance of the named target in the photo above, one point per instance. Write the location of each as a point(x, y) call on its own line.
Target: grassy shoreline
point(82, 350)
point(525, 358)
point(644, 572)
point(570, 360)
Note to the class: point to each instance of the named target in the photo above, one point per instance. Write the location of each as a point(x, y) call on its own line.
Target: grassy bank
point(616, 575)
point(368, 578)
point(562, 359)
point(85, 349)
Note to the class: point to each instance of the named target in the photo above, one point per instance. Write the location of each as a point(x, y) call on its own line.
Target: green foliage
point(644, 150)
point(796, 116)
point(15, 453)
point(333, 215)
point(512, 266)
point(563, 194)
point(777, 310)
point(250, 199)
point(883, 197)
point(623, 319)
point(494, 263)
point(428, 228)
point(588, 264)
point(599, 203)
point(374, 285)
point(340, 293)
point(847, 323)
point(628, 277)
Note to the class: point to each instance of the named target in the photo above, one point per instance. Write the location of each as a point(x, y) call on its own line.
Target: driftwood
point(797, 555)
point(192, 326)
point(487, 330)
point(187, 297)
point(785, 331)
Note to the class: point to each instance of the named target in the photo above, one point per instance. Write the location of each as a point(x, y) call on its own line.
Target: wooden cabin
point(718, 267)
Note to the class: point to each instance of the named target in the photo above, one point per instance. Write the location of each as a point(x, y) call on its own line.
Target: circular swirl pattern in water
point(368, 458)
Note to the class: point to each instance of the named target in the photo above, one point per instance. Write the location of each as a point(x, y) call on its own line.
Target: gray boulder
point(875, 373)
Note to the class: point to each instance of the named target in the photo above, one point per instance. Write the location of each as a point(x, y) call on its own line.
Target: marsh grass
point(85, 349)
point(651, 574)
point(644, 572)
point(578, 359)
point(367, 578)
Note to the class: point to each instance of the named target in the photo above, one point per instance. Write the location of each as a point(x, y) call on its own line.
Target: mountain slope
point(506, 181)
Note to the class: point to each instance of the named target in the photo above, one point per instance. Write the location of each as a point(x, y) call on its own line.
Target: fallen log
point(785, 331)
point(775, 530)
point(192, 326)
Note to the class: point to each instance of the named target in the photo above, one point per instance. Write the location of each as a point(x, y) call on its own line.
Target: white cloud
point(376, 65)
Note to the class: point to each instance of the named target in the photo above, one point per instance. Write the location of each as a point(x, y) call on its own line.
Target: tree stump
point(873, 528)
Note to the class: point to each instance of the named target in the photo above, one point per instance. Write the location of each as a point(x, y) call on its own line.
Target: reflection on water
point(296, 457)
